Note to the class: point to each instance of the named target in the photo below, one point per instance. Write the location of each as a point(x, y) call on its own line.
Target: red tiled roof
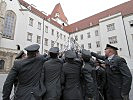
point(33, 10)
point(125, 9)
point(58, 9)
point(39, 13)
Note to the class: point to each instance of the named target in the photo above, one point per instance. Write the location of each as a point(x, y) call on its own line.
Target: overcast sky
point(76, 10)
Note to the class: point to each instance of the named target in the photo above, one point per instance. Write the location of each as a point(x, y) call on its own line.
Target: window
point(31, 21)
point(46, 29)
point(98, 44)
point(76, 38)
point(38, 39)
point(64, 38)
point(99, 52)
point(131, 23)
point(111, 27)
point(81, 36)
point(88, 35)
point(52, 32)
point(82, 46)
point(113, 39)
point(2, 62)
point(9, 25)
point(57, 34)
point(46, 42)
point(52, 43)
point(29, 37)
point(39, 25)
point(57, 44)
point(61, 46)
point(96, 33)
point(60, 36)
point(89, 45)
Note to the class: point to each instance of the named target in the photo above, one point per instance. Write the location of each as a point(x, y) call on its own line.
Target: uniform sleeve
point(89, 82)
point(7, 88)
point(62, 77)
point(103, 78)
point(126, 76)
point(98, 56)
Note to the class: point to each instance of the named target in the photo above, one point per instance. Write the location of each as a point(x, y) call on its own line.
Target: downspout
point(126, 38)
point(42, 36)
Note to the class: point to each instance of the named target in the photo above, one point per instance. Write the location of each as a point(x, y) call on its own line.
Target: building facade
point(23, 25)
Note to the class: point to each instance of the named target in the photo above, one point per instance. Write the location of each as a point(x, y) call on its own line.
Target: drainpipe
point(42, 37)
point(126, 38)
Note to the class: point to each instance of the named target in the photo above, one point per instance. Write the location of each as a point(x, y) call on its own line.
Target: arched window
point(9, 24)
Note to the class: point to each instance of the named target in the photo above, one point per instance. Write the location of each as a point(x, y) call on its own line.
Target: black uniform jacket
point(52, 78)
point(28, 72)
point(119, 77)
point(88, 81)
point(71, 81)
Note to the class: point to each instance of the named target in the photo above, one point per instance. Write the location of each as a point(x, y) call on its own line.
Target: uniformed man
point(119, 77)
point(52, 70)
point(87, 75)
point(28, 71)
point(20, 55)
point(71, 74)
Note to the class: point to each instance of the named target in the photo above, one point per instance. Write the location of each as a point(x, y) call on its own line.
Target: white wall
point(50, 37)
point(129, 31)
point(119, 32)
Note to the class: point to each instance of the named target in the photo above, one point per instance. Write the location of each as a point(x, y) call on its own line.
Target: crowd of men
point(70, 76)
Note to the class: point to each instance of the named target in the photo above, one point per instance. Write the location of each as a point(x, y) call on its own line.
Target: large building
point(23, 24)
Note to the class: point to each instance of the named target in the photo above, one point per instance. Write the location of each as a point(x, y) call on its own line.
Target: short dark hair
point(32, 54)
point(53, 55)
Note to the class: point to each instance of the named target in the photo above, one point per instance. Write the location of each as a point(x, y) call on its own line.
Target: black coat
point(71, 81)
point(101, 81)
point(28, 72)
point(88, 81)
point(119, 77)
point(52, 78)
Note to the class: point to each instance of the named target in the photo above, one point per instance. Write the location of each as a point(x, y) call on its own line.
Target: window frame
point(39, 25)
point(88, 35)
point(112, 40)
point(38, 39)
point(110, 27)
point(29, 38)
point(131, 23)
point(46, 28)
point(89, 46)
point(9, 24)
point(81, 37)
point(97, 44)
point(31, 21)
point(45, 41)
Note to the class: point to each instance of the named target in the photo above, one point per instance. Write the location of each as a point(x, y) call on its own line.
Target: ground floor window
point(2, 62)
